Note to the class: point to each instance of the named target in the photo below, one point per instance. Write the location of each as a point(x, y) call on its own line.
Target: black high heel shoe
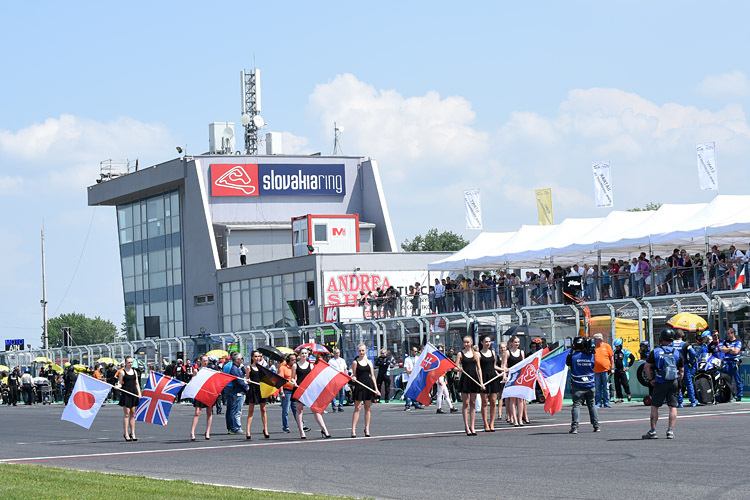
point(367, 434)
point(248, 437)
point(325, 436)
point(265, 435)
point(126, 437)
point(132, 437)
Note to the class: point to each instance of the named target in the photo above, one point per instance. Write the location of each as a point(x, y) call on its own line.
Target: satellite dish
point(258, 121)
point(245, 119)
point(228, 133)
point(340, 128)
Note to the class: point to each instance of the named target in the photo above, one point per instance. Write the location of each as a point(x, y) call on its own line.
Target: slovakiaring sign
point(259, 179)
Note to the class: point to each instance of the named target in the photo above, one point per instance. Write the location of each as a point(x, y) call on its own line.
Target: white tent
point(480, 247)
point(620, 235)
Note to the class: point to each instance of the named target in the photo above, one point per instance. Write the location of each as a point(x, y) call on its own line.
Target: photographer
point(664, 369)
point(581, 363)
point(730, 348)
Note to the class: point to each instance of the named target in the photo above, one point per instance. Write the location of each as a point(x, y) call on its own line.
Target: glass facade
point(261, 302)
point(149, 231)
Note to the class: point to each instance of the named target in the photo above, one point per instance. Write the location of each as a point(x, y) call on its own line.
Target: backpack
point(667, 370)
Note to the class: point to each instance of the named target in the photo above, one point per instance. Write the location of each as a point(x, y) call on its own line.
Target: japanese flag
point(85, 401)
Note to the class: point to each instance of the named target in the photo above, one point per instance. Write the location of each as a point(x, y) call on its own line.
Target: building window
point(321, 232)
point(202, 300)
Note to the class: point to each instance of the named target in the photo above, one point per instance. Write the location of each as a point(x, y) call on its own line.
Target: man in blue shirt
point(664, 369)
point(581, 363)
point(731, 348)
point(689, 355)
point(235, 392)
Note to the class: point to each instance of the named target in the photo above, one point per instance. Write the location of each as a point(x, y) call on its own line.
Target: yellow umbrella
point(80, 368)
point(57, 368)
point(285, 350)
point(42, 359)
point(688, 322)
point(219, 353)
point(4, 368)
point(107, 361)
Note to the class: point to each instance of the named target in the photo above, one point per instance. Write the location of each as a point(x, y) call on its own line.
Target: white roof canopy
point(619, 235)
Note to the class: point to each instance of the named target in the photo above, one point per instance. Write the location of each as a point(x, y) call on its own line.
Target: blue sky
point(504, 96)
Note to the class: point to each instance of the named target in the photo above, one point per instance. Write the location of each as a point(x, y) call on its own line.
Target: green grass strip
point(25, 482)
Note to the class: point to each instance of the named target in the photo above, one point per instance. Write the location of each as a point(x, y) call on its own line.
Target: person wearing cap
point(604, 365)
point(664, 369)
point(730, 348)
point(623, 358)
point(27, 384)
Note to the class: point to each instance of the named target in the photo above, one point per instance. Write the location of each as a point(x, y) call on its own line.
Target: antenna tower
point(251, 118)
point(336, 140)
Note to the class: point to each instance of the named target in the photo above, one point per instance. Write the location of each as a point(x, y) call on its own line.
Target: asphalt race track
point(412, 454)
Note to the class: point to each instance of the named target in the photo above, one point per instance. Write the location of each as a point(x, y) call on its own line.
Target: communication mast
point(336, 140)
point(251, 119)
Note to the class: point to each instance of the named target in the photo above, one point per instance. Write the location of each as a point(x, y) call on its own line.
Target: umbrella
point(57, 368)
point(4, 368)
point(42, 359)
point(218, 353)
point(688, 322)
point(107, 361)
point(271, 352)
point(40, 380)
point(313, 348)
point(80, 368)
point(285, 350)
point(525, 330)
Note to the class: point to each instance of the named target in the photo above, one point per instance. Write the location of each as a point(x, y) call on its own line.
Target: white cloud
point(730, 85)
point(293, 144)
point(10, 185)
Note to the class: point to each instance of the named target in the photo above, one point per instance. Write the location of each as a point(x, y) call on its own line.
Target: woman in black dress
point(252, 373)
point(512, 357)
point(364, 373)
point(300, 370)
point(128, 380)
point(490, 369)
point(202, 363)
point(467, 361)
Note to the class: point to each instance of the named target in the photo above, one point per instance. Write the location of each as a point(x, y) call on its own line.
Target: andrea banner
point(602, 185)
point(707, 174)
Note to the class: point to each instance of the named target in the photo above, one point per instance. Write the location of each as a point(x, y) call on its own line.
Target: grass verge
point(25, 482)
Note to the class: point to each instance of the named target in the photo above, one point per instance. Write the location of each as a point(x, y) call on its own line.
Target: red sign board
point(234, 180)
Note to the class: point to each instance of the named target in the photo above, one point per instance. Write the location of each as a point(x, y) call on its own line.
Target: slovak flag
point(206, 385)
point(85, 400)
point(553, 374)
point(320, 386)
point(157, 398)
point(522, 378)
point(430, 366)
point(740, 283)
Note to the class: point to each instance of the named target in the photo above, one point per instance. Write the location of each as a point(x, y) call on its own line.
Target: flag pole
point(363, 385)
point(493, 378)
point(472, 378)
point(113, 386)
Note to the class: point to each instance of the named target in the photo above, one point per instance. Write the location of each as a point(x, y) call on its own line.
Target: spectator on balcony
point(687, 274)
point(440, 295)
point(659, 269)
point(674, 265)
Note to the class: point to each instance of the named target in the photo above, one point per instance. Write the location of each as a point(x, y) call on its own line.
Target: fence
point(397, 334)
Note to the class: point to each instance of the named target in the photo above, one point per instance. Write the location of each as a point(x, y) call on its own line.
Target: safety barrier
point(396, 334)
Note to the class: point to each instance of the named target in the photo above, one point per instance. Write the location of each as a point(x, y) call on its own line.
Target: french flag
point(206, 386)
point(553, 374)
point(430, 366)
point(321, 386)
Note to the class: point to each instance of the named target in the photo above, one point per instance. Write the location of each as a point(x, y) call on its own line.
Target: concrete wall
point(262, 244)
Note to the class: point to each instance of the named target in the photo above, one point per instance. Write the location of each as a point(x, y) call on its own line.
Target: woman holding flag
point(300, 370)
point(254, 397)
point(127, 380)
point(469, 386)
point(491, 379)
point(364, 374)
point(512, 357)
point(202, 363)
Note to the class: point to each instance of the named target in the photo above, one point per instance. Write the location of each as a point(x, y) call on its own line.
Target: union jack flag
point(157, 398)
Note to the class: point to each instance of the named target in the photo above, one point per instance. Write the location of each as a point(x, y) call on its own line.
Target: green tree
point(83, 330)
point(650, 206)
point(128, 327)
point(447, 241)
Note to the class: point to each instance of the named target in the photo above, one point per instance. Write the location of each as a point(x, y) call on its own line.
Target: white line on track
point(343, 440)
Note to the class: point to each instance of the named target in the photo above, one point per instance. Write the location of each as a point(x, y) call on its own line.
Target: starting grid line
point(339, 440)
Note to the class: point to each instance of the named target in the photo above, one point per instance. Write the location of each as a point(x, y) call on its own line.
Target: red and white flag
point(85, 400)
point(320, 386)
point(206, 386)
point(740, 283)
point(522, 378)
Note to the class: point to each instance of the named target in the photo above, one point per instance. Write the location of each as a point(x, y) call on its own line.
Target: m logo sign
point(234, 180)
point(339, 231)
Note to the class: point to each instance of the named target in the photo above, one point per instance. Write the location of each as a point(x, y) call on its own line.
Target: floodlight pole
point(44, 299)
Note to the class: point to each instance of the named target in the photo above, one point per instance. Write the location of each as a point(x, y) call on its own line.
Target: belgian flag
point(269, 382)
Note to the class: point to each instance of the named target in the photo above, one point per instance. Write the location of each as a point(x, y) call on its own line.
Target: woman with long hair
point(252, 373)
point(468, 364)
point(300, 370)
point(502, 348)
point(490, 369)
point(513, 356)
point(128, 380)
point(364, 373)
point(202, 363)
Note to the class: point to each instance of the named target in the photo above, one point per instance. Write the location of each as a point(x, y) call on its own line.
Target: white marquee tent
point(620, 235)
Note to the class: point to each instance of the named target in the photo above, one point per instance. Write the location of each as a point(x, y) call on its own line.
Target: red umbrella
point(313, 348)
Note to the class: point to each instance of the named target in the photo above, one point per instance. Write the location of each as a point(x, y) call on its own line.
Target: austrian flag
point(320, 386)
point(157, 398)
point(206, 386)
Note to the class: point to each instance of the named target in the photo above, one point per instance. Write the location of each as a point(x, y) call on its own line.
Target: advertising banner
point(707, 174)
point(602, 185)
point(544, 206)
point(473, 205)
point(258, 179)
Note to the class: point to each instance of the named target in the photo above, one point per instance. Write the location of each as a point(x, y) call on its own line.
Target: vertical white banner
point(602, 184)
point(707, 173)
point(473, 206)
